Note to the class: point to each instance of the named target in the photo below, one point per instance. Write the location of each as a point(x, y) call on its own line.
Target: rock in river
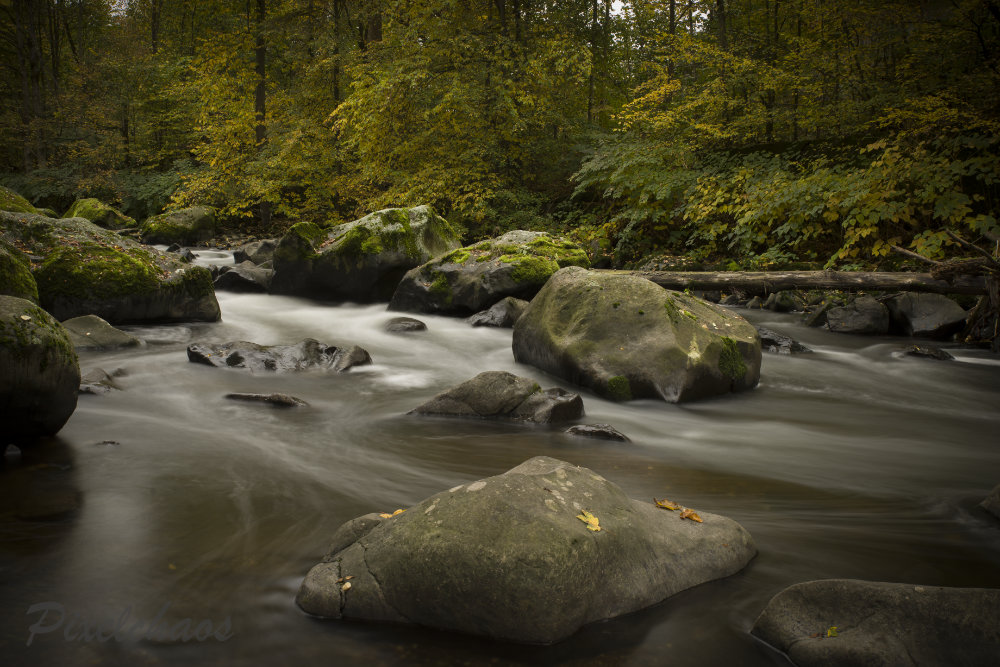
point(992, 502)
point(625, 337)
point(508, 557)
point(307, 355)
point(599, 431)
point(882, 624)
point(90, 332)
point(501, 314)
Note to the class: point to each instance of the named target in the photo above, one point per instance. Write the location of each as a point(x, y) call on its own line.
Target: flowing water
point(853, 461)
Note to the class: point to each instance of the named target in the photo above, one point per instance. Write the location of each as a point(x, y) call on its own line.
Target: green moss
point(533, 270)
point(13, 202)
point(616, 304)
point(672, 311)
point(440, 285)
point(619, 389)
point(92, 270)
point(196, 281)
point(99, 213)
point(642, 312)
point(15, 274)
point(688, 314)
point(307, 230)
point(460, 256)
point(731, 361)
point(17, 333)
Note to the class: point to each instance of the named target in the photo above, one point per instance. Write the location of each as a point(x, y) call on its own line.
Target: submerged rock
point(772, 341)
point(600, 431)
point(279, 400)
point(501, 314)
point(624, 337)
point(502, 395)
point(100, 214)
point(882, 624)
point(307, 355)
point(90, 332)
point(928, 352)
point(39, 369)
point(404, 325)
point(925, 315)
point(992, 502)
point(864, 315)
point(361, 260)
point(507, 557)
point(475, 277)
point(97, 381)
point(188, 226)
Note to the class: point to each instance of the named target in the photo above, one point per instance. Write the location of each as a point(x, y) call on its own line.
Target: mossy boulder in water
point(188, 226)
point(625, 337)
point(100, 214)
point(508, 557)
point(475, 277)
point(361, 260)
point(39, 368)
point(13, 202)
point(15, 273)
point(87, 270)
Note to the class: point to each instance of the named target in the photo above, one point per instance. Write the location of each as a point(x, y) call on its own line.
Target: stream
point(853, 461)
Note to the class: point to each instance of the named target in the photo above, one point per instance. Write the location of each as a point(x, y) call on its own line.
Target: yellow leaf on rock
point(832, 631)
point(398, 512)
point(666, 504)
point(593, 523)
point(346, 587)
point(689, 513)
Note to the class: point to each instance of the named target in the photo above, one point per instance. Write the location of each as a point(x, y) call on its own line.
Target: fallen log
point(762, 282)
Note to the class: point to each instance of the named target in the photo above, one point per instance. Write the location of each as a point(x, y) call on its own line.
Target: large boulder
point(474, 278)
point(864, 315)
point(15, 273)
point(502, 395)
point(90, 332)
point(87, 270)
point(187, 226)
point(100, 214)
point(508, 557)
point(851, 622)
point(625, 337)
point(13, 202)
point(39, 368)
point(361, 260)
point(245, 277)
point(257, 252)
point(307, 355)
point(925, 315)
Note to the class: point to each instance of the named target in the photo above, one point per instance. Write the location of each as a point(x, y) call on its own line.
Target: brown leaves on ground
point(686, 512)
point(666, 504)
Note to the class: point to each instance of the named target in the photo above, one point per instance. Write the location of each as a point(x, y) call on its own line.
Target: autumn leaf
point(688, 513)
point(831, 631)
point(346, 587)
point(666, 504)
point(593, 523)
point(386, 515)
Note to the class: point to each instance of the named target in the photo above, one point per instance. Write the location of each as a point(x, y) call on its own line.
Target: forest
point(739, 134)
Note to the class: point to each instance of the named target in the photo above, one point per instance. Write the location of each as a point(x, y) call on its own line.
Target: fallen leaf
point(346, 587)
point(171, 566)
point(831, 631)
point(343, 579)
point(593, 523)
point(386, 515)
point(26, 318)
point(666, 504)
point(398, 512)
point(688, 513)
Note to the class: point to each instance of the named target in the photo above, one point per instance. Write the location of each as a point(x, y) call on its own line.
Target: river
point(852, 461)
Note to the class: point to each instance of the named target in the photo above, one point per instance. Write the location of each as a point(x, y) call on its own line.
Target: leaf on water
point(666, 504)
point(688, 513)
point(831, 631)
point(593, 523)
point(346, 587)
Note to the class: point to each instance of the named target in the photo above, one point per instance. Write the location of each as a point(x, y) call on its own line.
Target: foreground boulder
point(474, 278)
point(188, 226)
point(39, 368)
point(90, 332)
point(100, 214)
point(310, 354)
point(925, 315)
point(15, 273)
point(88, 270)
point(992, 502)
point(864, 316)
point(361, 260)
point(882, 624)
point(502, 395)
point(624, 338)
point(507, 557)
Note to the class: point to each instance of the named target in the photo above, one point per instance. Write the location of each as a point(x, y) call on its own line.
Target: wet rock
point(257, 252)
point(755, 302)
point(502, 314)
point(731, 300)
point(507, 557)
point(882, 624)
point(307, 355)
point(245, 277)
point(992, 502)
point(174, 247)
point(502, 395)
point(97, 381)
point(864, 315)
point(815, 314)
point(625, 337)
point(187, 256)
point(39, 370)
point(927, 351)
point(279, 400)
point(600, 431)
point(188, 226)
point(925, 315)
point(772, 341)
point(404, 325)
point(473, 278)
point(784, 301)
point(90, 332)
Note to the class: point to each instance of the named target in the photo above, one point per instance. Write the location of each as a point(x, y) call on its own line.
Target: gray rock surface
point(864, 315)
point(245, 277)
point(307, 355)
point(97, 381)
point(90, 332)
point(404, 325)
point(506, 557)
point(928, 352)
point(882, 624)
point(278, 400)
point(600, 431)
point(502, 314)
point(925, 315)
point(779, 343)
point(257, 252)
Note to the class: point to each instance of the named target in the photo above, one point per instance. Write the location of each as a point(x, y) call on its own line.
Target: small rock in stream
point(404, 325)
point(772, 341)
point(308, 354)
point(279, 400)
point(928, 352)
point(600, 431)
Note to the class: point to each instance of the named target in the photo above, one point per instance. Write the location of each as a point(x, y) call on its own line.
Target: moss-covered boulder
point(86, 270)
point(625, 337)
point(474, 278)
point(15, 273)
point(188, 226)
point(509, 557)
point(13, 202)
point(361, 260)
point(100, 214)
point(39, 368)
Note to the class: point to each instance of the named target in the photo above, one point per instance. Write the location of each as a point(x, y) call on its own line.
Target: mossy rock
point(188, 226)
point(361, 260)
point(626, 338)
point(473, 278)
point(100, 214)
point(15, 273)
point(40, 371)
point(86, 270)
point(13, 202)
